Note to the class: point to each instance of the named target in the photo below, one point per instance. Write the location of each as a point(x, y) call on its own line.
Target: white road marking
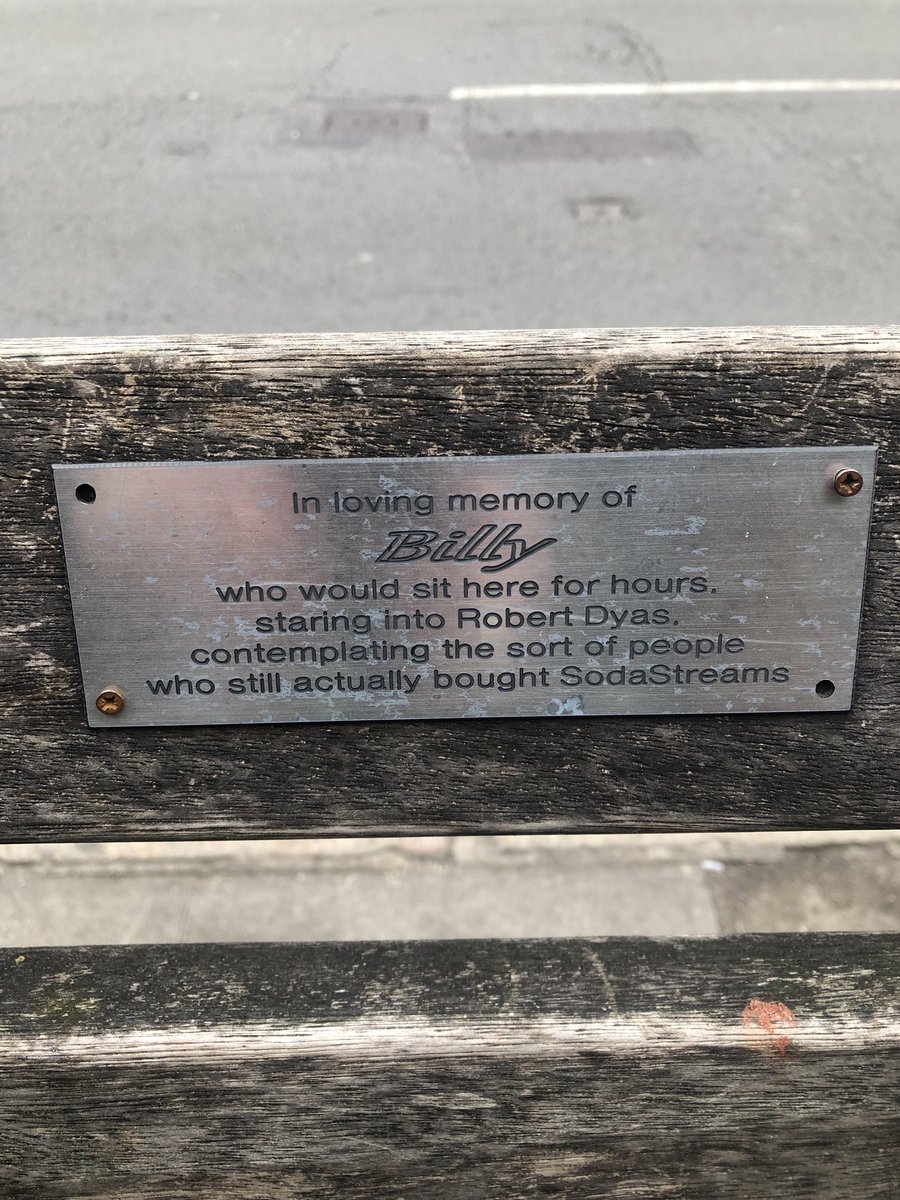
point(701, 87)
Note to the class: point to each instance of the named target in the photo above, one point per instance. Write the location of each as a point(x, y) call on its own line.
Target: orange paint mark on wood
point(771, 1018)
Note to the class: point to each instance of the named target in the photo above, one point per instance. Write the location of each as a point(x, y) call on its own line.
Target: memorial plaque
point(569, 585)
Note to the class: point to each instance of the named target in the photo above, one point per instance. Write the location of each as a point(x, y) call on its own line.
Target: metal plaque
point(682, 581)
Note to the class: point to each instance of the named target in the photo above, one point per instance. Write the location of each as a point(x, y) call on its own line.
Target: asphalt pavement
point(219, 166)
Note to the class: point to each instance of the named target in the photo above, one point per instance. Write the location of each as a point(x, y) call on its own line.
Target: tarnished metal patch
point(723, 581)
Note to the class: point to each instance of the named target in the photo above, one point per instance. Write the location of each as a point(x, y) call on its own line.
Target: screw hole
point(85, 493)
point(825, 688)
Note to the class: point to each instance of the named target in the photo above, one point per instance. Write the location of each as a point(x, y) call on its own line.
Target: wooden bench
point(743, 1067)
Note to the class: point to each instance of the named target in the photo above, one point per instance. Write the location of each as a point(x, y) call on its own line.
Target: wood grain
point(422, 394)
point(751, 1067)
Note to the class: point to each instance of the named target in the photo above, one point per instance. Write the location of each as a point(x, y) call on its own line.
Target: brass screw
point(110, 702)
point(848, 482)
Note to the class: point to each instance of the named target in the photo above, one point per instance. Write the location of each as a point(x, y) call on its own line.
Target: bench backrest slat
point(425, 394)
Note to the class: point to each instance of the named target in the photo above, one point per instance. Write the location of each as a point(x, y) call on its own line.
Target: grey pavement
point(542, 886)
point(218, 166)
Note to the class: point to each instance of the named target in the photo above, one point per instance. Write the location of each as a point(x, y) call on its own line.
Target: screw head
point(110, 702)
point(848, 482)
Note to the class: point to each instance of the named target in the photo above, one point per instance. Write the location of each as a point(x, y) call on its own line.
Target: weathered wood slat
point(131, 399)
point(755, 1066)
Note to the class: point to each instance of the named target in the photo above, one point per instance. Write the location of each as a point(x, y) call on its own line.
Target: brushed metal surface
point(542, 585)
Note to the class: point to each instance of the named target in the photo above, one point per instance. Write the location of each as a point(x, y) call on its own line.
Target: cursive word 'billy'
point(495, 546)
